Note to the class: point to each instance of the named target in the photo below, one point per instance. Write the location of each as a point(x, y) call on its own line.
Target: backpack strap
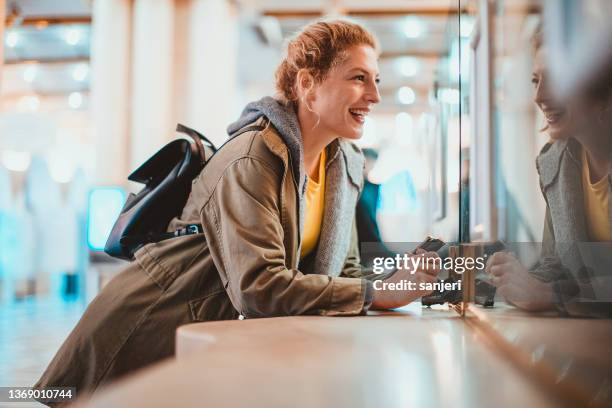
point(194, 134)
point(197, 138)
point(191, 229)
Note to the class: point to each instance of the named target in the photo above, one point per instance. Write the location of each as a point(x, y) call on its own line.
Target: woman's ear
point(304, 83)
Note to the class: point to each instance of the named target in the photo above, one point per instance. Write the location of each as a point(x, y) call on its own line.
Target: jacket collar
point(344, 150)
point(339, 149)
point(549, 160)
point(273, 141)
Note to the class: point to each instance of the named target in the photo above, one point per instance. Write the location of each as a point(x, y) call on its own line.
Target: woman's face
point(346, 96)
point(557, 116)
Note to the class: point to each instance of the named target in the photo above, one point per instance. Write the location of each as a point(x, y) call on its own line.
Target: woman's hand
point(517, 286)
point(426, 272)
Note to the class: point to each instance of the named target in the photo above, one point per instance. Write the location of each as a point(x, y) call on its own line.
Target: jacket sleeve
point(352, 266)
point(547, 268)
point(550, 268)
point(243, 228)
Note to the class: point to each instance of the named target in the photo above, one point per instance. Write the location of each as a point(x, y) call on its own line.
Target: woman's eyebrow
point(365, 71)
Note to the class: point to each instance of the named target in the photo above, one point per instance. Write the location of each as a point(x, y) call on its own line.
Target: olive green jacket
point(245, 263)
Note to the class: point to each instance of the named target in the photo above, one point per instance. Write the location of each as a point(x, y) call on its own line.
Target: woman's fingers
point(500, 269)
point(511, 293)
point(500, 280)
point(498, 258)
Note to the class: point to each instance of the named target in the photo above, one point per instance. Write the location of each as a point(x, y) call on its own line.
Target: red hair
point(318, 48)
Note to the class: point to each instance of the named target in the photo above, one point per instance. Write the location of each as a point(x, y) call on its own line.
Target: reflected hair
point(318, 48)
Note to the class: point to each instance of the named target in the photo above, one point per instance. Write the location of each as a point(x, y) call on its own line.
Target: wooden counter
point(400, 359)
point(572, 355)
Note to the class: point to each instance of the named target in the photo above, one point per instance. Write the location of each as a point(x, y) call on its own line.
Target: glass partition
point(537, 162)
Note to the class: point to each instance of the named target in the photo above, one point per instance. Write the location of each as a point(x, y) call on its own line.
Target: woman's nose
point(373, 94)
point(542, 94)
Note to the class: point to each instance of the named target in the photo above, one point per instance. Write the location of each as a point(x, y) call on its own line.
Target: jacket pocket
point(214, 306)
point(164, 261)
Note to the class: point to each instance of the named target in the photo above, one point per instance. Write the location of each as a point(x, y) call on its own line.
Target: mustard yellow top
point(595, 204)
point(315, 203)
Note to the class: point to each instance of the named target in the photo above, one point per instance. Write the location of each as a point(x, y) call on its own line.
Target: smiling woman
point(277, 206)
point(330, 76)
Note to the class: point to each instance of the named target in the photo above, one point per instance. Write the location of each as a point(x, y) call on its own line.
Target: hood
point(284, 119)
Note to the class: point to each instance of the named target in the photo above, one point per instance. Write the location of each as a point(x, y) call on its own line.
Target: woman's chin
point(556, 133)
point(560, 129)
point(354, 136)
point(353, 133)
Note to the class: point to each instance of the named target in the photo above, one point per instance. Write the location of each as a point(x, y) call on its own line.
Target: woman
point(575, 170)
point(277, 204)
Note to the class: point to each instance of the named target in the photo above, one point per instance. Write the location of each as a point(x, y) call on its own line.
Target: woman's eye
point(360, 77)
point(377, 80)
point(535, 81)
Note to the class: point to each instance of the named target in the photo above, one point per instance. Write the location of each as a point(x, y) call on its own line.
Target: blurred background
point(89, 89)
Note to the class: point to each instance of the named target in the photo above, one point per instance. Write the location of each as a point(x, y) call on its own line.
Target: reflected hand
point(517, 285)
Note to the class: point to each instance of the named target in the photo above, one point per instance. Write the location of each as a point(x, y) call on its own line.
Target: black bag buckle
point(190, 229)
point(194, 229)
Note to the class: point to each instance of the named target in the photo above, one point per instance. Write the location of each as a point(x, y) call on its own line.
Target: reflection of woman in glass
point(575, 169)
point(277, 205)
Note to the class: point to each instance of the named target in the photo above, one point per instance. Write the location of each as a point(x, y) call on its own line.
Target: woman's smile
point(359, 114)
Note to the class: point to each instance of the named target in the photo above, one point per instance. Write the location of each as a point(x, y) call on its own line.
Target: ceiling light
point(408, 66)
point(75, 100)
point(80, 72)
point(413, 27)
point(12, 39)
point(29, 74)
point(406, 96)
point(73, 36)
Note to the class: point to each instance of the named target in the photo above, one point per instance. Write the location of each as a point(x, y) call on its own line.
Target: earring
point(303, 102)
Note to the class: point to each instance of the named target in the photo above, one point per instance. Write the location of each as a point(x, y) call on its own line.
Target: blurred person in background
point(368, 233)
point(277, 206)
point(574, 169)
point(367, 228)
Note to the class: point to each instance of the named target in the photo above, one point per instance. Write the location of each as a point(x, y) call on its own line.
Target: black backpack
point(167, 177)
